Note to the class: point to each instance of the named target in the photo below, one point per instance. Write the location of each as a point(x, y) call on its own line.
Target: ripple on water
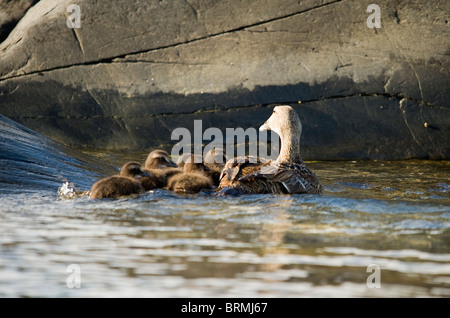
point(161, 244)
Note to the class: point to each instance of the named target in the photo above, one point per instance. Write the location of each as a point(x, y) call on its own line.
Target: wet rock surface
point(137, 70)
point(29, 162)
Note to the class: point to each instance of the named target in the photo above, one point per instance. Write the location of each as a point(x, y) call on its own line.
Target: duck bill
point(264, 127)
point(172, 164)
point(144, 173)
point(168, 163)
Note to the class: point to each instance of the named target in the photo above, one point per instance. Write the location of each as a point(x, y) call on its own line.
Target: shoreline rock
point(134, 72)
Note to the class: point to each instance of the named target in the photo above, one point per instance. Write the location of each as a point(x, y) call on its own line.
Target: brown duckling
point(215, 160)
point(125, 183)
point(288, 174)
point(160, 168)
point(193, 179)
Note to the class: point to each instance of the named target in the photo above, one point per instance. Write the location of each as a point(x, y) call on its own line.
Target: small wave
point(68, 191)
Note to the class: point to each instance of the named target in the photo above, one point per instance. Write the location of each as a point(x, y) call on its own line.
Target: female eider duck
point(288, 174)
point(125, 183)
point(160, 167)
point(193, 179)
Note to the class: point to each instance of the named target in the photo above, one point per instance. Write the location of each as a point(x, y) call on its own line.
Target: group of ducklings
point(287, 174)
point(160, 172)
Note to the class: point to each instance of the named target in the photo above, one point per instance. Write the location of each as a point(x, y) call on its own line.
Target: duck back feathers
point(268, 177)
point(285, 178)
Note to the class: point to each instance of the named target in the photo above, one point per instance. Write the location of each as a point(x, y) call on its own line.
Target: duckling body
point(193, 179)
point(288, 174)
point(192, 182)
point(119, 185)
point(115, 186)
point(160, 168)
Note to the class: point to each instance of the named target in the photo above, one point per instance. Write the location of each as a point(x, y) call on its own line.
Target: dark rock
point(137, 70)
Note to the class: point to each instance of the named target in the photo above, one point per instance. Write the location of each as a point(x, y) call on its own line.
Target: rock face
point(11, 11)
point(136, 70)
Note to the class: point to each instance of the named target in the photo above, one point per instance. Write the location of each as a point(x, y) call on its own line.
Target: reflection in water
point(159, 244)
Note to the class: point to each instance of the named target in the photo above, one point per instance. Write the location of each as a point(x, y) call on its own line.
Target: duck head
point(133, 170)
point(159, 159)
point(283, 121)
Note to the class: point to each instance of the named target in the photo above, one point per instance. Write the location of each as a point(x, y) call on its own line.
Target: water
point(395, 215)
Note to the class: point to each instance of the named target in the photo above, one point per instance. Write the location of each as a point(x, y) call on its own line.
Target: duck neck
point(290, 148)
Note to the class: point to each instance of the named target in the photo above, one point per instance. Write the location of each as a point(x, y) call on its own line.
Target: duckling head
point(159, 159)
point(133, 170)
point(284, 121)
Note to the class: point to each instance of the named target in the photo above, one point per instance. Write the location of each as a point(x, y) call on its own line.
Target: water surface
point(395, 215)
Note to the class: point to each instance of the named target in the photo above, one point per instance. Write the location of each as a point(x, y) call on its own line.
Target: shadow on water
point(395, 215)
